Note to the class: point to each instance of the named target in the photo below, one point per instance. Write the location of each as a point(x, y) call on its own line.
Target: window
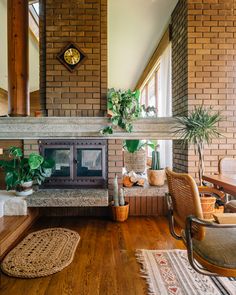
point(34, 18)
point(156, 92)
point(150, 90)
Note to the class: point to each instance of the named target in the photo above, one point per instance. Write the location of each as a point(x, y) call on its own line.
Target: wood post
point(18, 58)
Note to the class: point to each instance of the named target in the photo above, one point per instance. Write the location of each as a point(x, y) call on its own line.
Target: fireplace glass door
point(79, 163)
point(61, 156)
point(89, 162)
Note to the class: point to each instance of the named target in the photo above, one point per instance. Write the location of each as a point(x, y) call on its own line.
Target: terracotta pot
point(25, 189)
point(156, 177)
point(120, 213)
point(135, 161)
point(208, 206)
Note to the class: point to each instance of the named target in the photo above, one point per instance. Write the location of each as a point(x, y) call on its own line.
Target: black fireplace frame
point(75, 181)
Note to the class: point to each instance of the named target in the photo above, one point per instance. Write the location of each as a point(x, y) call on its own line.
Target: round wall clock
point(71, 56)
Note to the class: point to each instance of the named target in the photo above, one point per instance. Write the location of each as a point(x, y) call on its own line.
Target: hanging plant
point(124, 108)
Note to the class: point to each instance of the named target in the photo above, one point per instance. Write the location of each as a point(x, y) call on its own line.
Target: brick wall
point(83, 22)
point(179, 78)
point(211, 75)
point(212, 68)
point(115, 162)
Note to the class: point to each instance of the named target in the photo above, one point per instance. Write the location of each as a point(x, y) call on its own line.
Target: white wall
point(135, 28)
point(33, 53)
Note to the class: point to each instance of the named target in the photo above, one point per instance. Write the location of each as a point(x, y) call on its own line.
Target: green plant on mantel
point(19, 169)
point(123, 108)
point(199, 128)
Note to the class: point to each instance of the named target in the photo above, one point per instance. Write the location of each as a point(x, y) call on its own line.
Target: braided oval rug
point(41, 253)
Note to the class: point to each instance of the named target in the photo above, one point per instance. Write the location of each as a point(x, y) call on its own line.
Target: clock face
point(72, 56)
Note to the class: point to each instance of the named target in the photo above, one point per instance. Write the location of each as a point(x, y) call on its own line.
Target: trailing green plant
point(199, 128)
point(19, 169)
point(124, 107)
point(134, 145)
point(153, 144)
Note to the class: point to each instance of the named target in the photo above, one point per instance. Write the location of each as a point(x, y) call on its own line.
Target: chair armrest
point(190, 219)
point(211, 191)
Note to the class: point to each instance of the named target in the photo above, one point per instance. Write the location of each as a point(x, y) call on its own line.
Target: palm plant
point(199, 128)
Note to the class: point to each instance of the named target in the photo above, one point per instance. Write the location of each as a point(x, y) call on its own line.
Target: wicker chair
point(211, 247)
point(228, 166)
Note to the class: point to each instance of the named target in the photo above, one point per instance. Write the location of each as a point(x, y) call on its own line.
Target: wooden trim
point(153, 60)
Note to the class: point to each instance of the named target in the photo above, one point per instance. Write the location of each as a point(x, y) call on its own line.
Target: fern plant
point(198, 129)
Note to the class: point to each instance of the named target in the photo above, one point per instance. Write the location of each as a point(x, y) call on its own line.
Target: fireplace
point(80, 163)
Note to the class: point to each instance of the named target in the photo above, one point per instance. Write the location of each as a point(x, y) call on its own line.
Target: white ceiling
point(135, 28)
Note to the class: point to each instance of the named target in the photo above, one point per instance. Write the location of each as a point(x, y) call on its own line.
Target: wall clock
point(71, 56)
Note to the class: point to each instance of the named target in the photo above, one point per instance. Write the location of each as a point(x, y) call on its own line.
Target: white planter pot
point(25, 189)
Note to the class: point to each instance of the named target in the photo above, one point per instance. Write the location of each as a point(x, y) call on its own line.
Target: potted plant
point(21, 172)
point(156, 174)
point(123, 109)
point(135, 155)
point(198, 129)
point(119, 208)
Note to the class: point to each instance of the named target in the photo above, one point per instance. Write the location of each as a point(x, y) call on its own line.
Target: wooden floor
point(104, 262)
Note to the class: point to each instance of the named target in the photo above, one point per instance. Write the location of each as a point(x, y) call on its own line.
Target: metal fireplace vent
point(80, 163)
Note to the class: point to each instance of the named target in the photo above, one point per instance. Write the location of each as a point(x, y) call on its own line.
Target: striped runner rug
point(168, 272)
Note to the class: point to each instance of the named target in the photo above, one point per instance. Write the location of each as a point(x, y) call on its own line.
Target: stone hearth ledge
point(147, 191)
point(68, 198)
point(74, 127)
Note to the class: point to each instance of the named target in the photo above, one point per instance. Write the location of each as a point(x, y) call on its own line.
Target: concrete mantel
point(74, 127)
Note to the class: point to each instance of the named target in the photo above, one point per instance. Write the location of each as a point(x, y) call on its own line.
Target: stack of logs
point(132, 178)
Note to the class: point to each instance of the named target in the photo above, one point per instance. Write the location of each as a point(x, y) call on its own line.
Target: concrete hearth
point(68, 198)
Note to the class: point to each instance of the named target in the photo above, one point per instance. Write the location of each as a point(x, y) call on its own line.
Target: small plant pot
point(208, 206)
point(120, 213)
point(25, 189)
point(156, 177)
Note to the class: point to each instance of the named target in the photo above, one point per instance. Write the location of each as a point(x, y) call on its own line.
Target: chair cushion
point(218, 247)
point(231, 206)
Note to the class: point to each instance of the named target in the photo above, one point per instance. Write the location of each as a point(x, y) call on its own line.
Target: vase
point(120, 213)
point(156, 177)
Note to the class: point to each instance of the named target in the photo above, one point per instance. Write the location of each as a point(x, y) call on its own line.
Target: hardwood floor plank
point(104, 262)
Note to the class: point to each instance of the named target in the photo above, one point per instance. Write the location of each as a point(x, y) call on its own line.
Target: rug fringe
point(144, 271)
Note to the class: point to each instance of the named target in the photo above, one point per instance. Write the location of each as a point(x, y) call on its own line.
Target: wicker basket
point(208, 207)
point(135, 161)
point(120, 213)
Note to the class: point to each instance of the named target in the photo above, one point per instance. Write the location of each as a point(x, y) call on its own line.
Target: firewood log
point(127, 182)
